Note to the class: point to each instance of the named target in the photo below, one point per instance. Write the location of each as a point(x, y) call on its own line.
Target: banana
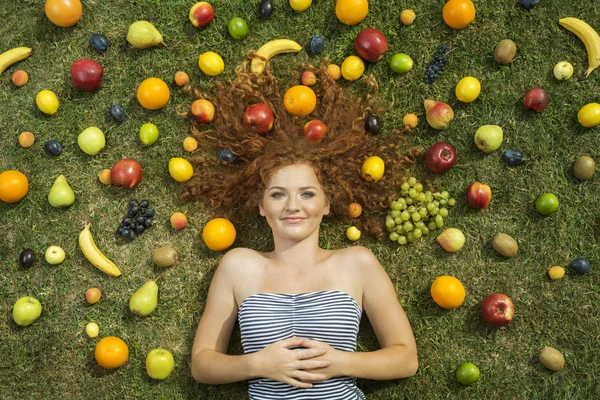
point(10, 57)
point(588, 36)
point(95, 256)
point(271, 49)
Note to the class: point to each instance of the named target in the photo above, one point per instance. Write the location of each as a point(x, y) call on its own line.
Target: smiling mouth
point(293, 220)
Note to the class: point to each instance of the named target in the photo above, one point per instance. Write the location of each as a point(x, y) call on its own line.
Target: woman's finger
point(292, 342)
point(305, 376)
point(313, 364)
point(299, 384)
point(310, 353)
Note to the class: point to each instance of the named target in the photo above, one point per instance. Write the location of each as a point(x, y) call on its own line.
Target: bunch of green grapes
point(416, 213)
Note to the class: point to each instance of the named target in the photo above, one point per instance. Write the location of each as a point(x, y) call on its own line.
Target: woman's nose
point(292, 204)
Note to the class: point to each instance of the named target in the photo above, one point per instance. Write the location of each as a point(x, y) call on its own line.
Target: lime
point(211, 63)
point(546, 203)
point(47, 102)
point(468, 89)
point(467, 373)
point(238, 28)
point(401, 63)
point(148, 134)
point(352, 68)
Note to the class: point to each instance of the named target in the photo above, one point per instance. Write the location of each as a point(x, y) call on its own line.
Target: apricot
point(334, 71)
point(410, 120)
point(354, 210)
point(104, 177)
point(92, 295)
point(20, 78)
point(190, 144)
point(179, 221)
point(26, 139)
point(181, 78)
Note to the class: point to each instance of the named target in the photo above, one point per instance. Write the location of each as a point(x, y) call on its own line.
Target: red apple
point(314, 130)
point(86, 75)
point(498, 309)
point(126, 173)
point(535, 99)
point(370, 44)
point(202, 111)
point(479, 195)
point(201, 14)
point(440, 157)
point(259, 117)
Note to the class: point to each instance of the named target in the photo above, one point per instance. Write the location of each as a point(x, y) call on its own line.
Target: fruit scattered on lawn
point(218, 234)
point(451, 240)
point(563, 70)
point(117, 112)
point(584, 168)
point(580, 265)
point(467, 374)
point(552, 358)
point(92, 330)
point(352, 68)
point(448, 292)
point(467, 89)
point(164, 257)
point(556, 272)
point(181, 78)
point(99, 42)
point(513, 157)
point(47, 102)
point(353, 233)
point(300, 5)
point(26, 258)
point(63, 13)
point(300, 100)
point(438, 114)
point(54, 255)
point(458, 14)
point(354, 210)
point(148, 134)
point(26, 139)
point(373, 124)
point(20, 78)
point(317, 44)
point(373, 168)
point(137, 219)
point(505, 245)
point(546, 203)
point(13, 186)
point(265, 9)
point(589, 115)
point(505, 51)
point(211, 63)
point(153, 93)
point(104, 177)
point(351, 12)
point(111, 352)
point(410, 120)
point(180, 169)
point(401, 63)
point(416, 212)
point(238, 28)
point(53, 148)
point(334, 71)
point(407, 17)
point(93, 295)
point(309, 78)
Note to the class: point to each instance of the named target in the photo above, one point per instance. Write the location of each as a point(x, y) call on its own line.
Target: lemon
point(468, 89)
point(352, 68)
point(373, 168)
point(211, 63)
point(300, 5)
point(556, 272)
point(589, 115)
point(353, 233)
point(180, 169)
point(47, 101)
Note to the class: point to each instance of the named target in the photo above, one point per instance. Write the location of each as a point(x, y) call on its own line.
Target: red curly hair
point(235, 189)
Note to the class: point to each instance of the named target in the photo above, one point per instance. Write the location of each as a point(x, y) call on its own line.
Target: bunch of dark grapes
point(438, 64)
point(137, 220)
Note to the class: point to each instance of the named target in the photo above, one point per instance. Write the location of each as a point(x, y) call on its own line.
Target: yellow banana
point(588, 36)
point(10, 57)
point(271, 49)
point(95, 256)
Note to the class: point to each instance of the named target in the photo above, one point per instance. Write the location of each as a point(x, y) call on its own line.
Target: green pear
point(145, 299)
point(142, 34)
point(61, 194)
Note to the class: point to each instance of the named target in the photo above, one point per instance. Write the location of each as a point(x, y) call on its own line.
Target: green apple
point(26, 310)
point(401, 63)
point(91, 141)
point(563, 70)
point(54, 255)
point(488, 138)
point(159, 364)
point(148, 134)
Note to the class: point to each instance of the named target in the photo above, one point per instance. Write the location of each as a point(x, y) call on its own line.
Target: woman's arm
point(210, 362)
point(397, 357)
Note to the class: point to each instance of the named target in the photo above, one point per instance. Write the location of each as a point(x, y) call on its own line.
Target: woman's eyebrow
point(302, 188)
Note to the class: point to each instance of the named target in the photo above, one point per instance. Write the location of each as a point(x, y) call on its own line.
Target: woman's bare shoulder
point(240, 256)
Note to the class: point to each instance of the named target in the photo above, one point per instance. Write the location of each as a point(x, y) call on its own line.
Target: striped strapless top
point(331, 316)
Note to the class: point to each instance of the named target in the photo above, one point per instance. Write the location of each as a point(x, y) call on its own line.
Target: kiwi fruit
point(164, 256)
point(552, 358)
point(505, 245)
point(584, 167)
point(505, 51)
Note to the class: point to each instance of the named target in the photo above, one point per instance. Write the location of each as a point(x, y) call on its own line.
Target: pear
point(145, 299)
point(142, 34)
point(61, 194)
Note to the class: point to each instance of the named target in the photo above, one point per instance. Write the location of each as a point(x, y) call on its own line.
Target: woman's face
point(294, 202)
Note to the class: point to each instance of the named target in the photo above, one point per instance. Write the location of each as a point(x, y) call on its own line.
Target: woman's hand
point(337, 359)
point(280, 363)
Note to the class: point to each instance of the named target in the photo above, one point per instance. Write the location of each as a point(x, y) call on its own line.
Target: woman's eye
point(308, 194)
point(276, 195)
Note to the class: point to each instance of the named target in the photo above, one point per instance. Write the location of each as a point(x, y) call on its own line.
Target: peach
point(181, 78)
point(92, 295)
point(20, 77)
point(190, 144)
point(309, 78)
point(104, 177)
point(179, 221)
point(26, 139)
point(354, 210)
point(202, 111)
point(334, 71)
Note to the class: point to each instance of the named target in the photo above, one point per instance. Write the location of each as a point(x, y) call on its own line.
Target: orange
point(300, 100)
point(448, 292)
point(351, 12)
point(153, 93)
point(63, 13)
point(458, 13)
point(13, 186)
point(111, 352)
point(218, 234)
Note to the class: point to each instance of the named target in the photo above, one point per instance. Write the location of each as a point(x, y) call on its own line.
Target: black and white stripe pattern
point(331, 316)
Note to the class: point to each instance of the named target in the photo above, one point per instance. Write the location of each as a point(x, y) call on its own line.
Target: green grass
point(53, 357)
